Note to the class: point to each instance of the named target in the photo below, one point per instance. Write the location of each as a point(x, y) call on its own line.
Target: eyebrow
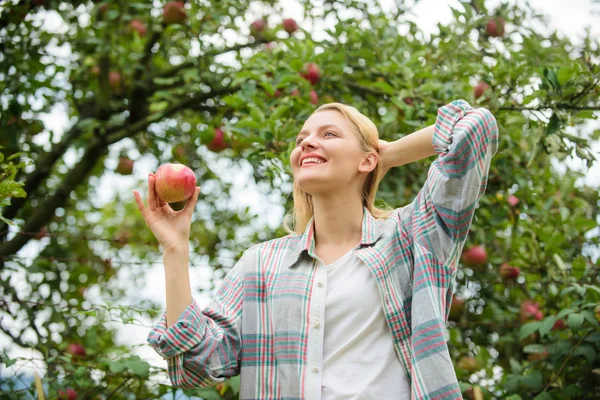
point(322, 127)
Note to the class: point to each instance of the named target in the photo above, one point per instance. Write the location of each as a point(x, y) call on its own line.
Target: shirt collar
point(371, 231)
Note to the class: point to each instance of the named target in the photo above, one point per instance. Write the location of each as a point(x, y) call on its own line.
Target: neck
point(338, 220)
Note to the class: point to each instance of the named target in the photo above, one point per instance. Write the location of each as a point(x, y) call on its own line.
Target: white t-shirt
point(359, 360)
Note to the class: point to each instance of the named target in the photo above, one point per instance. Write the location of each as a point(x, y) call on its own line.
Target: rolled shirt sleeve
point(203, 346)
point(465, 139)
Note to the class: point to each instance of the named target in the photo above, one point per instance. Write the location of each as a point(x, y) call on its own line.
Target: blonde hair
point(368, 136)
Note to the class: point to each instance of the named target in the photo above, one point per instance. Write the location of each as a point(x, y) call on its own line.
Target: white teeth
point(312, 160)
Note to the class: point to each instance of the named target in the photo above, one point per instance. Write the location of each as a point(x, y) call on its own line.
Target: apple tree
point(219, 85)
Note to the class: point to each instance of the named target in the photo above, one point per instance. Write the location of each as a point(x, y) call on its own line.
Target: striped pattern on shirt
point(257, 324)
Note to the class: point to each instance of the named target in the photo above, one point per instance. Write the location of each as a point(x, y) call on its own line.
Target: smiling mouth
point(312, 164)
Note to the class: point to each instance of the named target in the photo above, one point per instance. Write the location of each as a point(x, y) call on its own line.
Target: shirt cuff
point(180, 337)
point(447, 117)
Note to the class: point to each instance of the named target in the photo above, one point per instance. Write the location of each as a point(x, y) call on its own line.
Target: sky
point(568, 17)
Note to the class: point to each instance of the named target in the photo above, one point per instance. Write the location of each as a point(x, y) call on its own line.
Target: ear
point(369, 162)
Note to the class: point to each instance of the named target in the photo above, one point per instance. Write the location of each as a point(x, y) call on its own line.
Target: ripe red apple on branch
point(70, 394)
point(289, 25)
point(76, 349)
point(311, 73)
point(480, 89)
point(531, 310)
point(258, 26)
point(174, 12)
point(475, 256)
point(138, 26)
point(495, 27)
point(218, 142)
point(174, 182)
point(125, 166)
point(508, 272)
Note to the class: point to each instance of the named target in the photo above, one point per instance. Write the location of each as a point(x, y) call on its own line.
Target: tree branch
point(211, 53)
point(97, 148)
point(562, 106)
point(41, 172)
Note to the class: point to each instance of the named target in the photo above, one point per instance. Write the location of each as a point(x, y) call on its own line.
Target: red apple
point(495, 27)
point(289, 25)
point(314, 97)
point(512, 200)
point(475, 256)
point(295, 92)
point(480, 89)
point(70, 394)
point(218, 143)
point(509, 272)
point(174, 182)
point(138, 26)
point(114, 80)
point(311, 73)
point(456, 308)
point(530, 310)
point(258, 26)
point(76, 349)
point(559, 325)
point(174, 12)
point(125, 166)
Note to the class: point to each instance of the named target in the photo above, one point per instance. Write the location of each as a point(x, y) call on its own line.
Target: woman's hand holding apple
point(171, 228)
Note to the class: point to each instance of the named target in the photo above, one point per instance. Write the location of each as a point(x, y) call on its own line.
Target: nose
point(308, 142)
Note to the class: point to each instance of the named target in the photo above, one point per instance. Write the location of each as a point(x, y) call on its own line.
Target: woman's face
point(342, 165)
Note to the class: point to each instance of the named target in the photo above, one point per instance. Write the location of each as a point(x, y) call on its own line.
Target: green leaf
point(543, 396)
point(547, 325)
point(590, 317)
point(565, 311)
point(513, 397)
point(528, 329)
point(534, 348)
point(139, 367)
point(587, 351)
point(575, 320)
point(116, 367)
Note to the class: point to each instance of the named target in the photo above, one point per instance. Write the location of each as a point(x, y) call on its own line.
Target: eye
point(300, 139)
point(329, 132)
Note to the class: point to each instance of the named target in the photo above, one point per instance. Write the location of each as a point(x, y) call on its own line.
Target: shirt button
point(317, 324)
point(315, 369)
point(319, 283)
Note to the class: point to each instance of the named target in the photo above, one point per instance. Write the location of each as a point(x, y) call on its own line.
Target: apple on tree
point(138, 26)
point(495, 27)
point(508, 272)
point(70, 394)
point(125, 166)
point(174, 182)
point(258, 26)
point(480, 89)
point(311, 73)
point(174, 12)
point(290, 25)
point(314, 97)
point(218, 142)
point(76, 349)
point(474, 256)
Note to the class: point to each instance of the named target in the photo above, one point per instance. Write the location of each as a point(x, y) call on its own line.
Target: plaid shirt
point(257, 325)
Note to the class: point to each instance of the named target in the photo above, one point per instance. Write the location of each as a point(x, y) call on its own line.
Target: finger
point(189, 206)
point(151, 193)
point(140, 203)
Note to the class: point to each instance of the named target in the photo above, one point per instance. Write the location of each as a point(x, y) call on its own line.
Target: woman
point(352, 304)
